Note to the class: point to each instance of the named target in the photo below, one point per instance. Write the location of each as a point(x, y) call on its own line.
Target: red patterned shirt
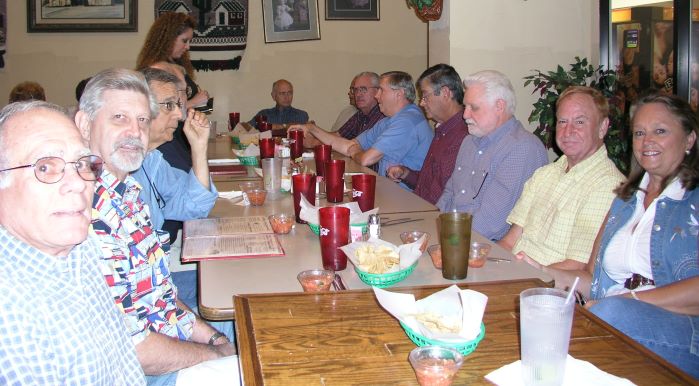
point(440, 160)
point(360, 122)
point(135, 261)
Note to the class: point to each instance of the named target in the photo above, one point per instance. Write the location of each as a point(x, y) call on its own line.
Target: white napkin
point(309, 212)
point(251, 151)
point(408, 253)
point(235, 195)
point(452, 303)
point(224, 161)
point(308, 154)
point(577, 372)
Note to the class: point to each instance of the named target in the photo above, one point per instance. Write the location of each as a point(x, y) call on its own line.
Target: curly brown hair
point(161, 39)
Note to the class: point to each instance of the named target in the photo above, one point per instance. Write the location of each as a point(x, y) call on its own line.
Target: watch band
point(215, 336)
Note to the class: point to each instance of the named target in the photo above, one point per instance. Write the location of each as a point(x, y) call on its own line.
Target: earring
point(687, 152)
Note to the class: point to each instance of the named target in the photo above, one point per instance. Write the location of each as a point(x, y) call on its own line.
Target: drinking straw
point(571, 291)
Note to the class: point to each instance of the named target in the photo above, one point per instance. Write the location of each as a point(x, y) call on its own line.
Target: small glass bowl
point(316, 280)
point(256, 196)
point(435, 365)
point(435, 252)
point(478, 255)
point(249, 185)
point(282, 223)
point(413, 236)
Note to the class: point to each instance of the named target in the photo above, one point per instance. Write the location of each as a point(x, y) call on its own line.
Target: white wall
point(321, 70)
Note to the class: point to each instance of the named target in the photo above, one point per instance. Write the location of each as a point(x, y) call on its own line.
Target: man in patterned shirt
point(58, 323)
point(114, 116)
point(562, 207)
point(442, 99)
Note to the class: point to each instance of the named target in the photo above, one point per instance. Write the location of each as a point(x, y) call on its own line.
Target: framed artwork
point(82, 15)
point(352, 10)
point(290, 20)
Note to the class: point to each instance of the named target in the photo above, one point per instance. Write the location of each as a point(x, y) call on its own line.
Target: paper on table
point(309, 212)
point(224, 161)
point(215, 227)
point(230, 195)
point(250, 151)
point(227, 247)
point(451, 303)
point(577, 372)
point(408, 253)
point(308, 154)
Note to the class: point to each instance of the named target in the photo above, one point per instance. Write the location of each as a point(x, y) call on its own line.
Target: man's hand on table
point(397, 173)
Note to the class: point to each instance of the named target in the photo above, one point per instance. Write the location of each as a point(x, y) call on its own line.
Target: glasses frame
point(63, 171)
point(177, 104)
point(358, 90)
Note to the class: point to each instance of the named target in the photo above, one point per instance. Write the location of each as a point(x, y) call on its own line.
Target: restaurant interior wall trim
point(320, 70)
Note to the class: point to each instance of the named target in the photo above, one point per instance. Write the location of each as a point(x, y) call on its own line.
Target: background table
point(345, 338)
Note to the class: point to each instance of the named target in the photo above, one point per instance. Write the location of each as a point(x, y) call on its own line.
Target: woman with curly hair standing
point(168, 41)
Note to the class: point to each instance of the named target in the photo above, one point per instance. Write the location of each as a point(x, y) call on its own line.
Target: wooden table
point(345, 338)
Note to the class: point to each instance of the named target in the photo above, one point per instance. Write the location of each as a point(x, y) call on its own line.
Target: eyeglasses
point(425, 95)
point(170, 106)
point(50, 170)
point(360, 90)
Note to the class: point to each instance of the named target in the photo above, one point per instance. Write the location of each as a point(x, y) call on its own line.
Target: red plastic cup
point(266, 148)
point(363, 191)
point(233, 119)
point(334, 180)
point(259, 119)
point(296, 145)
point(303, 183)
point(264, 126)
point(322, 154)
point(334, 233)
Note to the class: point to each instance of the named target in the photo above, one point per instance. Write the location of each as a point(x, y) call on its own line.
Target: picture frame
point(82, 16)
point(290, 20)
point(352, 10)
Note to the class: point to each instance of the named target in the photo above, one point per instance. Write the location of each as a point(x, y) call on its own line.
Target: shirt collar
point(591, 162)
point(29, 257)
point(371, 112)
point(498, 133)
point(673, 190)
point(121, 188)
point(444, 127)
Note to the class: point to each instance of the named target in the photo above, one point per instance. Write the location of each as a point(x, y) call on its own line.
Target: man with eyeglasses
point(442, 99)
point(495, 159)
point(363, 90)
point(282, 114)
point(115, 117)
point(402, 138)
point(58, 322)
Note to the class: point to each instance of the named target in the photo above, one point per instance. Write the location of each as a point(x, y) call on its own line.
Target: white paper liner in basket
point(309, 212)
point(408, 253)
point(452, 303)
point(250, 151)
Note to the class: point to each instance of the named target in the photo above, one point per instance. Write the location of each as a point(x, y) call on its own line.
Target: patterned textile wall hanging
point(221, 34)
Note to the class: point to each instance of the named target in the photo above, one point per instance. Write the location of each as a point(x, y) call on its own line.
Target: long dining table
point(346, 338)
point(219, 280)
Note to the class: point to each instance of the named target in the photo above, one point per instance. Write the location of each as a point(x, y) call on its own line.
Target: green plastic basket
point(316, 228)
point(248, 161)
point(383, 280)
point(236, 140)
point(464, 348)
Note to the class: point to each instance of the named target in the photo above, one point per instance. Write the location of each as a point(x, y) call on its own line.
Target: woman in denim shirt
point(644, 277)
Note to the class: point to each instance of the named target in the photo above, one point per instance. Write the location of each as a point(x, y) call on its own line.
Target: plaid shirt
point(58, 324)
point(135, 261)
point(360, 122)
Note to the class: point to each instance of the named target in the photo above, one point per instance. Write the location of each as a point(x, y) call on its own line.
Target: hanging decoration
point(221, 34)
point(427, 10)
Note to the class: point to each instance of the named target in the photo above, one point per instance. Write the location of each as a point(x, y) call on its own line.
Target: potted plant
point(551, 84)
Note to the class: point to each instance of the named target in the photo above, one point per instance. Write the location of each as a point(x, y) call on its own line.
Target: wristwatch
point(215, 336)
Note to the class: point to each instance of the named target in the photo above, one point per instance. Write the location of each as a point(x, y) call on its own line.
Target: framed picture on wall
point(352, 10)
point(82, 16)
point(290, 20)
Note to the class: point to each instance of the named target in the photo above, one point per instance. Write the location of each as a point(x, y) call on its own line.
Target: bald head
point(283, 93)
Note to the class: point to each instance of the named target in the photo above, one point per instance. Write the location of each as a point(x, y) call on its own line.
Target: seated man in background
point(562, 207)
point(402, 138)
point(282, 114)
point(58, 322)
point(442, 99)
point(495, 159)
point(27, 91)
point(363, 90)
point(169, 192)
point(115, 115)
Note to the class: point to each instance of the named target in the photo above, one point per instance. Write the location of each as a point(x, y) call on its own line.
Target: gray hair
point(496, 85)
point(401, 80)
point(444, 75)
point(92, 99)
point(7, 113)
point(157, 75)
point(372, 75)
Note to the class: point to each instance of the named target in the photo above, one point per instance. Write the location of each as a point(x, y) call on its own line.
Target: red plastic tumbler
point(267, 148)
point(322, 154)
point(334, 180)
point(259, 119)
point(264, 126)
point(334, 233)
point(233, 119)
point(363, 190)
point(296, 146)
point(303, 183)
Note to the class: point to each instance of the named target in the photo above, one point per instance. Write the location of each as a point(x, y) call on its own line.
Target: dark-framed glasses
point(50, 170)
point(170, 106)
point(360, 90)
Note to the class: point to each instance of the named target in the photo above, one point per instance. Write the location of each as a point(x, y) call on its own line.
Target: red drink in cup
point(363, 191)
point(334, 233)
point(296, 146)
point(322, 154)
point(334, 180)
point(233, 119)
point(259, 119)
point(266, 148)
point(264, 126)
point(305, 184)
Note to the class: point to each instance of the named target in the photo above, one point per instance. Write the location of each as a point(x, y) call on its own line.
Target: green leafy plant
point(551, 84)
point(420, 4)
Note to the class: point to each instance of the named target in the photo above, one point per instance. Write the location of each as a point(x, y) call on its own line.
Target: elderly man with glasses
point(58, 322)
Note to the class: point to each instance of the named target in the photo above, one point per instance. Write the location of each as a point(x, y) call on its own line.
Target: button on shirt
point(403, 139)
point(489, 175)
point(439, 163)
point(360, 122)
point(282, 115)
point(58, 322)
point(561, 212)
point(134, 262)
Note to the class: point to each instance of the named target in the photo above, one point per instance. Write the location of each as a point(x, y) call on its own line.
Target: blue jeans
point(665, 333)
point(186, 283)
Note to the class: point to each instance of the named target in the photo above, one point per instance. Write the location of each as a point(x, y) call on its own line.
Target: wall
point(321, 70)
point(514, 37)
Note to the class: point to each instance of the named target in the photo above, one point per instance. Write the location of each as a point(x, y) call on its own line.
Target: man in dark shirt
point(282, 114)
point(442, 99)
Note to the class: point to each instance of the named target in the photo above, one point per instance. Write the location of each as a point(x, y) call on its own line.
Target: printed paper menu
point(214, 227)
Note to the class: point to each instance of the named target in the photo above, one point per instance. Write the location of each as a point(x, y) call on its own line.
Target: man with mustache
point(115, 114)
point(496, 157)
point(58, 322)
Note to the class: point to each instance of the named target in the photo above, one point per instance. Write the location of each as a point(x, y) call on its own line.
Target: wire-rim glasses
point(51, 170)
point(360, 90)
point(170, 105)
